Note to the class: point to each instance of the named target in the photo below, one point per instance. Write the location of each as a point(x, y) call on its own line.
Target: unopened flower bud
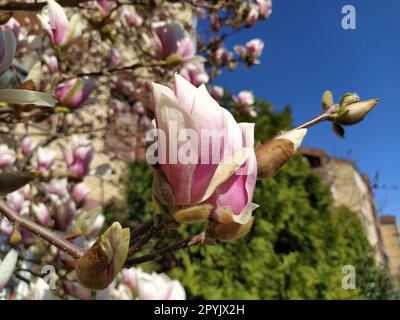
point(353, 111)
point(273, 154)
point(104, 260)
point(230, 231)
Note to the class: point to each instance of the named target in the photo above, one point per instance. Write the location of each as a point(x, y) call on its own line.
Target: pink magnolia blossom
point(131, 17)
point(63, 211)
point(58, 187)
point(44, 159)
point(106, 6)
point(264, 8)
point(16, 201)
point(61, 30)
point(216, 92)
point(27, 145)
point(244, 97)
point(115, 57)
point(51, 63)
point(252, 16)
point(77, 155)
point(80, 192)
point(7, 156)
point(41, 213)
point(222, 56)
point(194, 73)
point(255, 47)
point(211, 165)
point(152, 286)
point(74, 92)
point(172, 39)
point(8, 47)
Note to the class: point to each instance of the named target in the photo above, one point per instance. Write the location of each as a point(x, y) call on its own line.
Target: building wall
point(350, 188)
point(391, 241)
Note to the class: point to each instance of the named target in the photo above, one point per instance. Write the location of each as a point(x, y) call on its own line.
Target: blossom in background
point(7, 156)
point(131, 18)
point(80, 192)
point(222, 56)
point(58, 187)
point(264, 8)
point(77, 155)
point(106, 6)
point(7, 267)
point(74, 92)
point(27, 145)
point(44, 158)
point(252, 16)
point(51, 63)
point(63, 210)
point(194, 182)
point(244, 103)
point(152, 286)
point(61, 30)
point(216, 92)
point(115, 57)
point(41, 213)
point(172, 40)
point(195, 73)
point(251, 52)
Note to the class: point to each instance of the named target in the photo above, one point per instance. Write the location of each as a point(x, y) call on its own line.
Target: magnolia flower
point(7, 267)
point(16, 201)
point(58, 187)
point(77, 155)
point(80, 192)
point(251, 52)
point(255, 47)
point(41, 213)
point(152, 286)
point(7, 156)
point(61, 30)
point(216, 92)
point(106, 6)
point(77, 291)
point(99, 266)
point(252, 16)
point(222, 56)
point(27, 145)
point(115, 57)
point(131, 17)
point(195, 73)
point(44, 159)
point(195, 179)
point(244, 97)
point(264, 8)
point(74, 92)
point(172, 39)
point(51, 63)
point(63, 210)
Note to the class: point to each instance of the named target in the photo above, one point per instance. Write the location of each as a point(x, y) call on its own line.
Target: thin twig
point(156, 255)
point(40, 231)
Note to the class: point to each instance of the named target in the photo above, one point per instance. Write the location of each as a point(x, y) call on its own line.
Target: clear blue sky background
point(307, 51)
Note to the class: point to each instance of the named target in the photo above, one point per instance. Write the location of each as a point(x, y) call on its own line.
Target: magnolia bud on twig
point(103, 261)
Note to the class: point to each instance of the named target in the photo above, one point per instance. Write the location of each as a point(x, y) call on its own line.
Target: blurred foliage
point(296, 249)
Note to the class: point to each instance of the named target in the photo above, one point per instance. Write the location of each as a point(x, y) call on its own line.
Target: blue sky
point(307, 51)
